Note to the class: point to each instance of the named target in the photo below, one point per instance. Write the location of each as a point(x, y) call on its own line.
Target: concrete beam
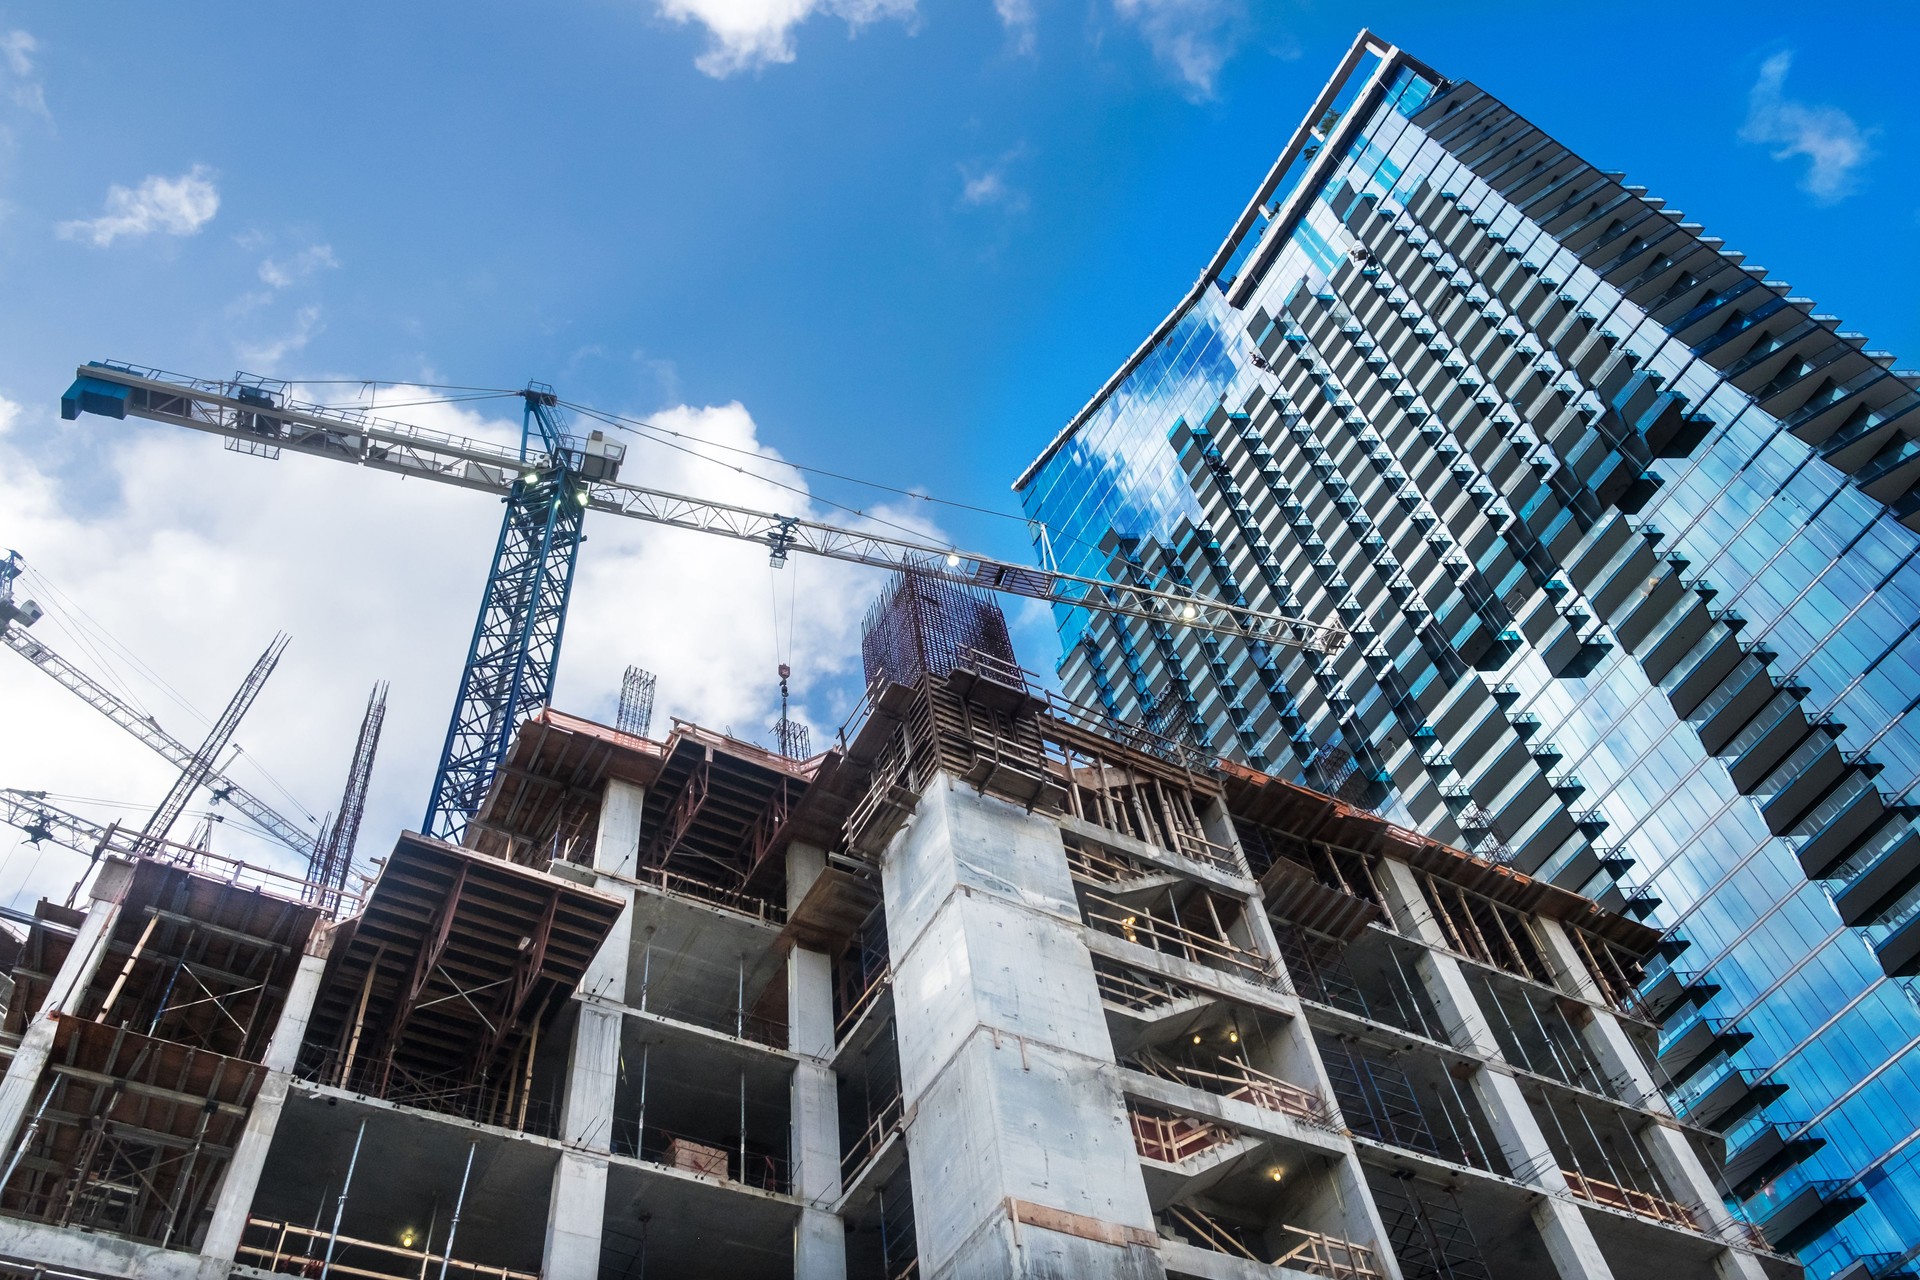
point(40, 1248)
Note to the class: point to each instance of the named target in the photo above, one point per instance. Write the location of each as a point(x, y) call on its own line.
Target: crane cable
point(669, 437)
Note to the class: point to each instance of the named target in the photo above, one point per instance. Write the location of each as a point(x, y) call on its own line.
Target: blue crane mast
point(523, 612)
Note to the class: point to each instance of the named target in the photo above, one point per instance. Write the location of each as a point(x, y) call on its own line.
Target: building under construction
point(990, 987)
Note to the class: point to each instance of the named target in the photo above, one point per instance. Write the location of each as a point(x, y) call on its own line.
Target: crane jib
point(517, 637)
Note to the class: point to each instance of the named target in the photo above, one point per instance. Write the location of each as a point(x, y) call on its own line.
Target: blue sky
point(900, 240)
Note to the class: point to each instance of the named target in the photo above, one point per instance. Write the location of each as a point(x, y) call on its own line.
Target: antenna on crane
point(636, 702)
point(332, 858)
point(791, 738)
point(198, 770)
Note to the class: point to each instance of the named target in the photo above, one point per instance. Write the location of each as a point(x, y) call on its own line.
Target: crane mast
point(549, 482)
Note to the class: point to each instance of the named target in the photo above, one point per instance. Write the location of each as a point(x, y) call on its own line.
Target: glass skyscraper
point(1625, 537)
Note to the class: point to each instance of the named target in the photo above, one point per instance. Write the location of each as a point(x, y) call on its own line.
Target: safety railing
point(508, 1103)
point(1137, 991)
point(1313, 1252)
point(724, 1016)
point(867, 1145)
point(1646, 1205)
point(876, 985)
point(287, 1248)
point(686, 886)
point(1242, 1083)
point(739, 1164)
point(1147, 930)
point(1170, 1139)
point(1319, 1254)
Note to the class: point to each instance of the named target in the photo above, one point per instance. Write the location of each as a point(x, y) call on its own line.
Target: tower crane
point(549, 483)
point(15, 617)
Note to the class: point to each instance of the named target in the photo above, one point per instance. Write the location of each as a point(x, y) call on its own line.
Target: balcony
point(1690, 1045)
point(1724, 1095)
point(1899, 951)
point(1882, 881)
point(1761, 1151)
point(1794, 1209)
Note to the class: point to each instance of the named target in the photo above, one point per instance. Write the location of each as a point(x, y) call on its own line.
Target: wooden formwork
point(129, 1133)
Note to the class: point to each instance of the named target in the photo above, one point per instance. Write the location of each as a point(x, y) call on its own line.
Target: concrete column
point(616, 843)
point(67, 992)
point(577, 1203)
point(241, 1180)
point(1680, 1166)
point(1023, 1155)
point(576, 1215)
point(1563, 1228)
point(820, 1237)
point(1345, 1200)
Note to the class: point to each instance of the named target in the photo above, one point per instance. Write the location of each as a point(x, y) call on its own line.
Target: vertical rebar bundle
point(924, 625)
point(636, 702)
point(333, 853)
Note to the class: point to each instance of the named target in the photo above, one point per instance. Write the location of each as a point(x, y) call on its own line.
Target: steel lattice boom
point(353, 436)
point(199, 769)
point(549, 482)
point(29, 811)
point(164, 744)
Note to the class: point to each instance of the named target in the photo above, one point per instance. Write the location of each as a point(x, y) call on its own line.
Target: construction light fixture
point(584, 497)
point(1276, 1173)
point(953, 561)
point(531, 476)
point(1189, 613)
point(1196, 1038)
point(1233, 1036)
point(406, 1238)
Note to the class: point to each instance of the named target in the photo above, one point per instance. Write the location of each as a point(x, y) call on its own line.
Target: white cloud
point(1021, 22)
point(310, 261)
point(987, 186)
point(194, 556)
point(173, 206)
point(746, 35)
point(10, 411)
point(24, 89)
point(1834, 146)
point(264, 356)
point(1193, 38)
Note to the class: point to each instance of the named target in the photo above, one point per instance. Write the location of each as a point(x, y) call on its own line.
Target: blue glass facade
point(1625, 536)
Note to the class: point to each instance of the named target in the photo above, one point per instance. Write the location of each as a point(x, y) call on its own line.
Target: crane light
point(584, 497)
point(1189, 613)
point(953, 561)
